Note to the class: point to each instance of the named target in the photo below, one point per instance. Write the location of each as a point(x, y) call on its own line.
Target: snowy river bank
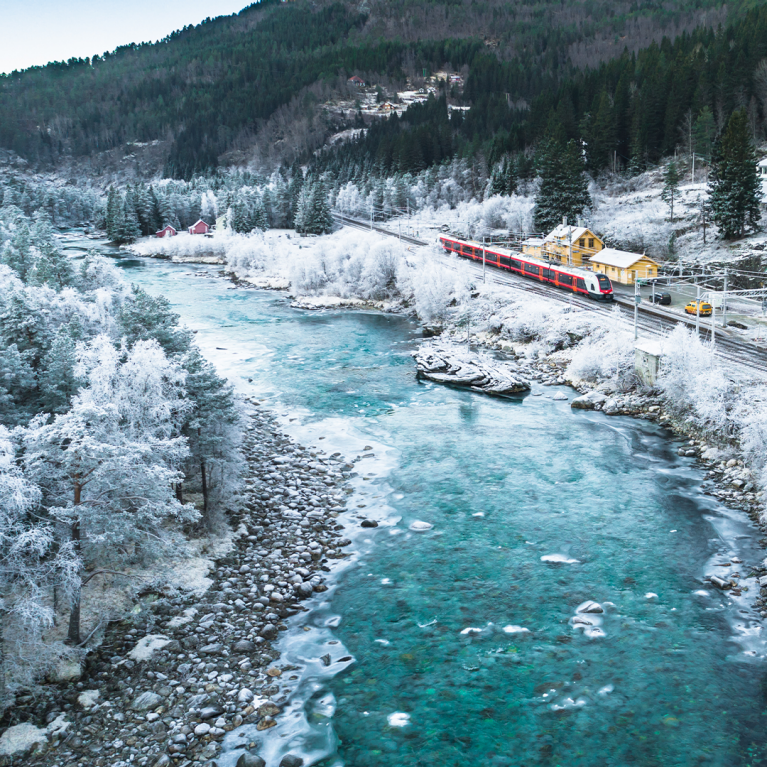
point(462, 640)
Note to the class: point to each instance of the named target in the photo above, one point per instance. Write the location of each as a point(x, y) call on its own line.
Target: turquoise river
point(464, 642)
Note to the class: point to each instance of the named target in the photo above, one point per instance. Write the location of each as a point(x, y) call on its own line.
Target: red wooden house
point(356, 80)
point(167, 231)
point(200, 227)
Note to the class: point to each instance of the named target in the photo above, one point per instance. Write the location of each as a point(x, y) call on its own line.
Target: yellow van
point(702, 308)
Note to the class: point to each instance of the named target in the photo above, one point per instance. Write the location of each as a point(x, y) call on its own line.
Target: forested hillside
point(206, 91)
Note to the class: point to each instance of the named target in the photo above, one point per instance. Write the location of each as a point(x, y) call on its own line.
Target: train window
point(505, 261)
point(580, 283)
point(515, 264)
point(491, 256)
point(565, 279)
point(532, 269)
point(548, 274)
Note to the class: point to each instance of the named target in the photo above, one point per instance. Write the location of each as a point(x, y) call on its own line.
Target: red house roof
point(356, 80)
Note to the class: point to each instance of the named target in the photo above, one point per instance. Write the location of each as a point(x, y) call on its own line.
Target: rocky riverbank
point(168, 682)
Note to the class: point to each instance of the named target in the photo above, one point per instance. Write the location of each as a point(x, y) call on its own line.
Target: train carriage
point(581, 281)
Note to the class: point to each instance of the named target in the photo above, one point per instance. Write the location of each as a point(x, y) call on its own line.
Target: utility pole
point(724, 300)
point(713, 324)
point(483, 258)
point(697, 311)
point(636, 306)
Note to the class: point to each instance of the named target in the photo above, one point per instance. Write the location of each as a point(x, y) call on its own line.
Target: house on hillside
point(355, 80)
point(624, 267)
point(166, 231)
point(199, 227)
point(571, 245)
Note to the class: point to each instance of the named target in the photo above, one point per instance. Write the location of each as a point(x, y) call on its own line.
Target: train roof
point(574, 270)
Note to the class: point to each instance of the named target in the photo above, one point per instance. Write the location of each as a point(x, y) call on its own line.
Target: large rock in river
point(458, 367)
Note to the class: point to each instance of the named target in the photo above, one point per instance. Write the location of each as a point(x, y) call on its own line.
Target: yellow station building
point(622, 266)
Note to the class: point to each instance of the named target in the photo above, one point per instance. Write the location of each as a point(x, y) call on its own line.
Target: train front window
point(604, 283)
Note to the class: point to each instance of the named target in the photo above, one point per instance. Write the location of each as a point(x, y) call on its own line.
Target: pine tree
point(115, 215)
point(259, 219)
point(301, 209)
point(511, 175)
point(324, 214)
point(564, 187)
point(498, 178)
point(734, 187)
point(130, 230)
point(670, 187)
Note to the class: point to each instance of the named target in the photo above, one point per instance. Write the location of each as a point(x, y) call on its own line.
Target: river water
point(466, 644)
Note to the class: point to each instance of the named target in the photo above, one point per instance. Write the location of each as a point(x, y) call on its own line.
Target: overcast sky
point(38, 31)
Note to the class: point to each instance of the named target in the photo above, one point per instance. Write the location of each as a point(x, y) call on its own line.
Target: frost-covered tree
point(29, 561)
point(107, 467)
point(734, 187)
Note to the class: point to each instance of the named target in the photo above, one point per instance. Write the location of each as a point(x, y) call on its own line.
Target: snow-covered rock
point(452, 365)
point(22, 739)
point(590, 401)
point(147, 646)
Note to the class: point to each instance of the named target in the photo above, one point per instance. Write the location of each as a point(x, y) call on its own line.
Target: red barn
point(167, 231)
point(199, 228)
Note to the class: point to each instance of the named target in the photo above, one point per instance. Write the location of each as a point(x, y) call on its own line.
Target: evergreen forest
point(631, 80)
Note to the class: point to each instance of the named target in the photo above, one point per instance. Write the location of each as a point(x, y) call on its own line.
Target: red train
point(586, 283)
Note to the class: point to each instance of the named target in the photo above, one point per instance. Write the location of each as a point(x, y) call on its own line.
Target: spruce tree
point(259, 219)
point(322, 217)
point(734, 186)
point(498, 177)
point(564, 186)
point(130, 230)
point(670, 187)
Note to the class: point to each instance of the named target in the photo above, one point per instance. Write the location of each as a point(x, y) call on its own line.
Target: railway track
point(651, 319)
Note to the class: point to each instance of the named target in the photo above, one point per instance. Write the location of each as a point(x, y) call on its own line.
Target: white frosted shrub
point(607, 354)
point(693, 384)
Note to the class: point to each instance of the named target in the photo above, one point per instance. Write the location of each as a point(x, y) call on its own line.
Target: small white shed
point(647, 356)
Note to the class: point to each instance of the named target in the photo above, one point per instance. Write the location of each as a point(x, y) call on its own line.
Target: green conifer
point(670, 187)
point(734, 185)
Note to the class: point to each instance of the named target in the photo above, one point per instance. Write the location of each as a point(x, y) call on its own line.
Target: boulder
point(147, 646)
point(146, 700)
point(269, 631)
point(590, 401)
point(66, 670)
point(244, 645)
point(22, 739)
point(289, 760)
point(250, 760)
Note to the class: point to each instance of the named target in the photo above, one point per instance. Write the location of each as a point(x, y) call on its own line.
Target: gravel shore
point(167, 684)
